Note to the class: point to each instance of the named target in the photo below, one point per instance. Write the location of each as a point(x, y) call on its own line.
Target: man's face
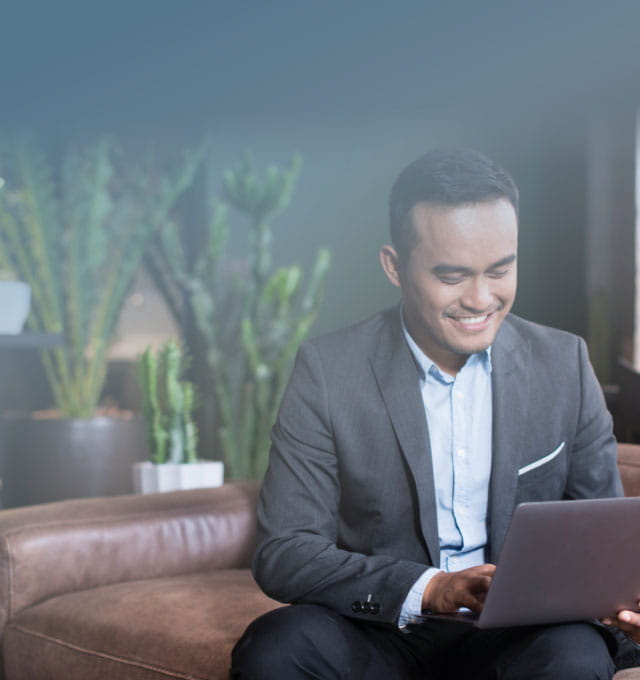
point(459, 280)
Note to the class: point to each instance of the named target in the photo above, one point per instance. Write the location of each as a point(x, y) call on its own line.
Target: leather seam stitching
point(104, 655)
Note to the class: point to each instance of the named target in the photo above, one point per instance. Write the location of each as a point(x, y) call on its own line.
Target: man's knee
point(291, 642)
point(570, 652)
point(581, 652)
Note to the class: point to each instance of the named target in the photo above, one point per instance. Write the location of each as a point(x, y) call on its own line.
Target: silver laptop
point(564, 561)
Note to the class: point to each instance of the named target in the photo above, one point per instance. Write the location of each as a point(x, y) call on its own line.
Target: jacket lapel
point(398, 380)
point(510, 382)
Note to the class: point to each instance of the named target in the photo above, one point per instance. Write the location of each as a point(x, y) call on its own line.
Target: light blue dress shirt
point(459, 416)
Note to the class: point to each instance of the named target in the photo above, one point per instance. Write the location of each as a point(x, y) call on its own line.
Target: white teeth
point(470, 320)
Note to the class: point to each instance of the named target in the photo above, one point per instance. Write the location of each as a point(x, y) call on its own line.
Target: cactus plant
point(169, 404)
point(78, 238)
point(250, 324)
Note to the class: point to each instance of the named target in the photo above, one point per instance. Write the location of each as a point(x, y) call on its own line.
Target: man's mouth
point(472, 320)
point(478, 322)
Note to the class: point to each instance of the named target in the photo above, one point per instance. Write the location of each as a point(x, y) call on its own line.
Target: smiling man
point(403, 445)
point(459, 280)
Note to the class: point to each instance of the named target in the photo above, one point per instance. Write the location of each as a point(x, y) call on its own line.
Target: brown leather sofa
point(140, 587)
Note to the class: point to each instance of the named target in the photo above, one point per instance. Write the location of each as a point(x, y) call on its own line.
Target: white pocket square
point(540, 461)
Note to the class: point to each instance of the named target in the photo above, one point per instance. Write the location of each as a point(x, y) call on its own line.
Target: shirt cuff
point(412, 605)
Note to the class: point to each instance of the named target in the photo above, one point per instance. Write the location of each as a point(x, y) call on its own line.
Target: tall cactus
point(148, 379)
point(78, 236)
point(251, 324)
point(168, 403)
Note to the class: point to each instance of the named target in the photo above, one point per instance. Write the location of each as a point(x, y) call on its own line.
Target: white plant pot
point(15, 299)
point(153, 477)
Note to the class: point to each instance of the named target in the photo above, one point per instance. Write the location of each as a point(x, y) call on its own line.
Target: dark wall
point(553, 229)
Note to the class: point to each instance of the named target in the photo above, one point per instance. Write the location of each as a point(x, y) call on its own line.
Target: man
point(403, 445)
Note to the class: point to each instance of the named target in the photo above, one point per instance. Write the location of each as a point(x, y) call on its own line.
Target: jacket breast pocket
point(541, 462)
point(543, 478)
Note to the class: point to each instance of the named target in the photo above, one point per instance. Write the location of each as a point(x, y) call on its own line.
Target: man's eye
point(451, 280)
point(499, 273)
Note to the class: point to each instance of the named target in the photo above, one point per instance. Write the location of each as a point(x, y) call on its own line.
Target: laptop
point(564, 561)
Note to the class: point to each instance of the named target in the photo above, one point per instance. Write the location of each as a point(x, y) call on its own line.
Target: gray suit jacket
point(347, 512)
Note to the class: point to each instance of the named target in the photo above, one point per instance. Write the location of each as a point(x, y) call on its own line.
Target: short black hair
point(449, 178)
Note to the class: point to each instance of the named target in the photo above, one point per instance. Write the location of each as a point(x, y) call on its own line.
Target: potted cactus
point(172, 436)
point(76, 232)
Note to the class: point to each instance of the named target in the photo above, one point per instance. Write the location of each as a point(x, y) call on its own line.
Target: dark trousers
point(310, 641)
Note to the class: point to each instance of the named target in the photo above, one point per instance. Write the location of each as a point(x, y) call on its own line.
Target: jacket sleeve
point(298, 556)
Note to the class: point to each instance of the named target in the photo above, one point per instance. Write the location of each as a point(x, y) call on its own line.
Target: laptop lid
point(566, 561)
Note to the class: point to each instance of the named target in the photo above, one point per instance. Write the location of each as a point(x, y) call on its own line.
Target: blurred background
point(359, 89)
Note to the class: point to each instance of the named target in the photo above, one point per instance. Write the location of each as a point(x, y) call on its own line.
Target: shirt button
point(461, 453)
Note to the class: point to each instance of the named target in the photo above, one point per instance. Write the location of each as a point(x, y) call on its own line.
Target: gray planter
point(51, 460)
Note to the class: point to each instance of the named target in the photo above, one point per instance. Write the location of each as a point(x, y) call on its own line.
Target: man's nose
point(477, 295)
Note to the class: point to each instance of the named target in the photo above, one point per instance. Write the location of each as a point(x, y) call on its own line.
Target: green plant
point(78, 236)
point(168, 403)
point(251, 323)
point(7, 273)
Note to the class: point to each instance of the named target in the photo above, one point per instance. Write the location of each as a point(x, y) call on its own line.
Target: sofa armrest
point(629, 466)
point(54, 548)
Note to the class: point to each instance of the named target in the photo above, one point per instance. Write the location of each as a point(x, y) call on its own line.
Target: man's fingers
point(481, 583)
point(466, 588)
point(486, 569)
point(628, 622)
point(473, 602)
point(479, 592)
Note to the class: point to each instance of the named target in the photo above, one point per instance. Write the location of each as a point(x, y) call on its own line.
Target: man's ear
point(390, 264)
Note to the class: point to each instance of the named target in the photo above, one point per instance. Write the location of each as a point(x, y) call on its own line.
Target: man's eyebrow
point(503, 262)
point(446, 269)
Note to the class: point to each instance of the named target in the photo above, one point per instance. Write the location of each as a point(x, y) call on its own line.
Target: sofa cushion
point(176, 627)
point(629, 465)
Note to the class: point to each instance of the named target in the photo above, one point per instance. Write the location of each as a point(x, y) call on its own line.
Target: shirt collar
point(427, 366)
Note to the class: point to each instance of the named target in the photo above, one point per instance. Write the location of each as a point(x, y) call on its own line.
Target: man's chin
point(473, 346)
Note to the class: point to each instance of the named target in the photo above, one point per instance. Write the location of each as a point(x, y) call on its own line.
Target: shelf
point(30, 340)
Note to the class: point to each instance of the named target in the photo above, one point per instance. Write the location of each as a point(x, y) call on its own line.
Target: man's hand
point(628, 622)
point(447, 592)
